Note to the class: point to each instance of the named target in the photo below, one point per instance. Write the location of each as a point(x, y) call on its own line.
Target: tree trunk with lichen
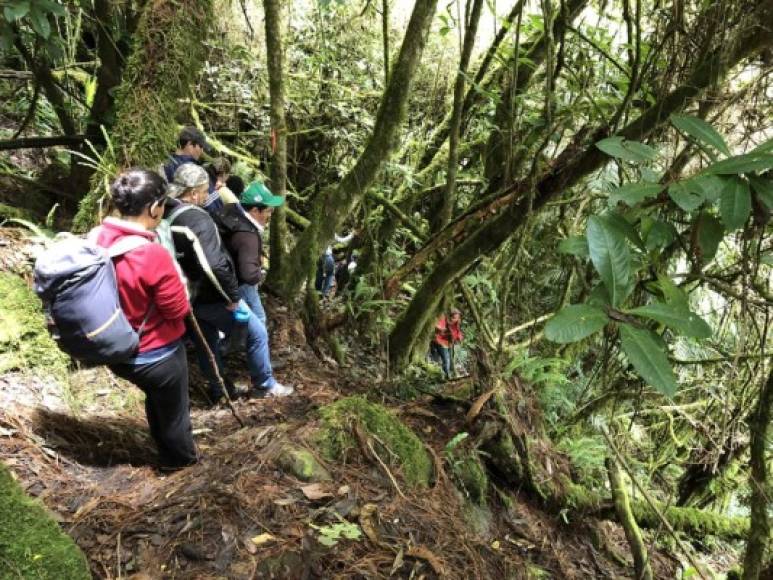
point(275, 59)
point(167, 54)
point(624, 514)
point(759, 530)
point(336, 203)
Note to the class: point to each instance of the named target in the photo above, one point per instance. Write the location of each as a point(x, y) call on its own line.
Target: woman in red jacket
point(448, 330)
point(155, 303)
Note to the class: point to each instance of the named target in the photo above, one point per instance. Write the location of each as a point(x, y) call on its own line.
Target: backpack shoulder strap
point(126, 244)
point(179, 211)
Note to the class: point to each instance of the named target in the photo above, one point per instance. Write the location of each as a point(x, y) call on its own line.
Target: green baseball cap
point(258, 194)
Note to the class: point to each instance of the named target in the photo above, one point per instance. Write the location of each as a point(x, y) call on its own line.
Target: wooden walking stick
point(213, 364)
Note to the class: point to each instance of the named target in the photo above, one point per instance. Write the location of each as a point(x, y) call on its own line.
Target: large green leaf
point(660, 235)
point(763, 187)
point(686, 195)
point(701, 131)
point(709, 186)
point(735, 205)
point(611, 257)
point(627, 150)
point(633, 193)
point(40, 23)
point(16, 9)
point(710, 234)
point(646, 353)
point(764, 147)
point(672, 293)
point(624, 227)
point(676, 317)
point(574, 245)
point(747, 163)
point(575, 322)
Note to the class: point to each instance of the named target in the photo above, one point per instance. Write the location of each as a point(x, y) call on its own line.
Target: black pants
point(165, 384)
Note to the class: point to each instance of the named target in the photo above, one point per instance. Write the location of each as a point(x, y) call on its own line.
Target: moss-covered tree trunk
point(167, 54)
point(471, 29)
point(759, 530)
point(578, 160)
point(275, 58)
point(624, 514)
point(336, 204)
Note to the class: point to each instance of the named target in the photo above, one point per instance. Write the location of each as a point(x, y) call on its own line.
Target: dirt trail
point(237, 514)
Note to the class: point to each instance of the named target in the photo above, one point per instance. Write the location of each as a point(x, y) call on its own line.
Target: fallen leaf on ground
point(261, 539)
point(315, 491)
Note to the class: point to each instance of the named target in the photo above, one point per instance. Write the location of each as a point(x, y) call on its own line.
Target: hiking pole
point(213, 364)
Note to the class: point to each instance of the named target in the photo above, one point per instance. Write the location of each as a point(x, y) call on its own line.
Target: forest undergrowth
point(275, 499)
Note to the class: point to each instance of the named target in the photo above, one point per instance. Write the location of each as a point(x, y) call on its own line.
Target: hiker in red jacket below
point(154, 300)
point(448, 331)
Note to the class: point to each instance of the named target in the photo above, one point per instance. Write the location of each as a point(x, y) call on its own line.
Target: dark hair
point(135, 189)
point(235, 184)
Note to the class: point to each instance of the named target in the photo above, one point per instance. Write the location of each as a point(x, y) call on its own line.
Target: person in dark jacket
point(153, 298)
point(191, 145)
point(214, 285)
point(246, 222)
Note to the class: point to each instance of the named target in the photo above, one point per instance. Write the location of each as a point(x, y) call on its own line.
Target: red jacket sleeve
point(165, 285)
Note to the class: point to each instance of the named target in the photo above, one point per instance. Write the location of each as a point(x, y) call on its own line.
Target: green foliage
point(331, 534)
point(645, 351)
point(611, 257)
point(587, 455)
point(633, 193)
point(575, 322)
point(403, 447)
point(627, 150)
point(31, 543)
point(575, 246)
point(34, 13)
point(735, 205)
point(710, 234)
point(700, 131)
point(742, 164)
point(679, 318)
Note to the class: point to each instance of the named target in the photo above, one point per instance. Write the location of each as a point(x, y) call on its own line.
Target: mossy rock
point(24, 340)
point(404, 448)
point(302, 464)
point(470, 476)
point(31, 543)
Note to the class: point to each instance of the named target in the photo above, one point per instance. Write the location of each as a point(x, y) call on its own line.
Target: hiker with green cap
point(241, 226)
point(214, 285)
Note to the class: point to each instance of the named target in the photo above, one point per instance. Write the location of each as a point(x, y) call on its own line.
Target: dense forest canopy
point(589, 181)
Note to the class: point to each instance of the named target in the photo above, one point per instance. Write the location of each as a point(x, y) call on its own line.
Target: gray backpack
point(76, 281)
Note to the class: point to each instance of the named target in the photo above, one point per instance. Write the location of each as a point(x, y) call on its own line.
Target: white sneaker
point(278, 390)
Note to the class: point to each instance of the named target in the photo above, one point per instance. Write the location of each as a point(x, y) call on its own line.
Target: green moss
point(24, 339)
point(10, 212)
point(161, 70)
point(403, 447)
point(302, 464)
point(471, 477)
point(694, 522)
point(31, 543)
